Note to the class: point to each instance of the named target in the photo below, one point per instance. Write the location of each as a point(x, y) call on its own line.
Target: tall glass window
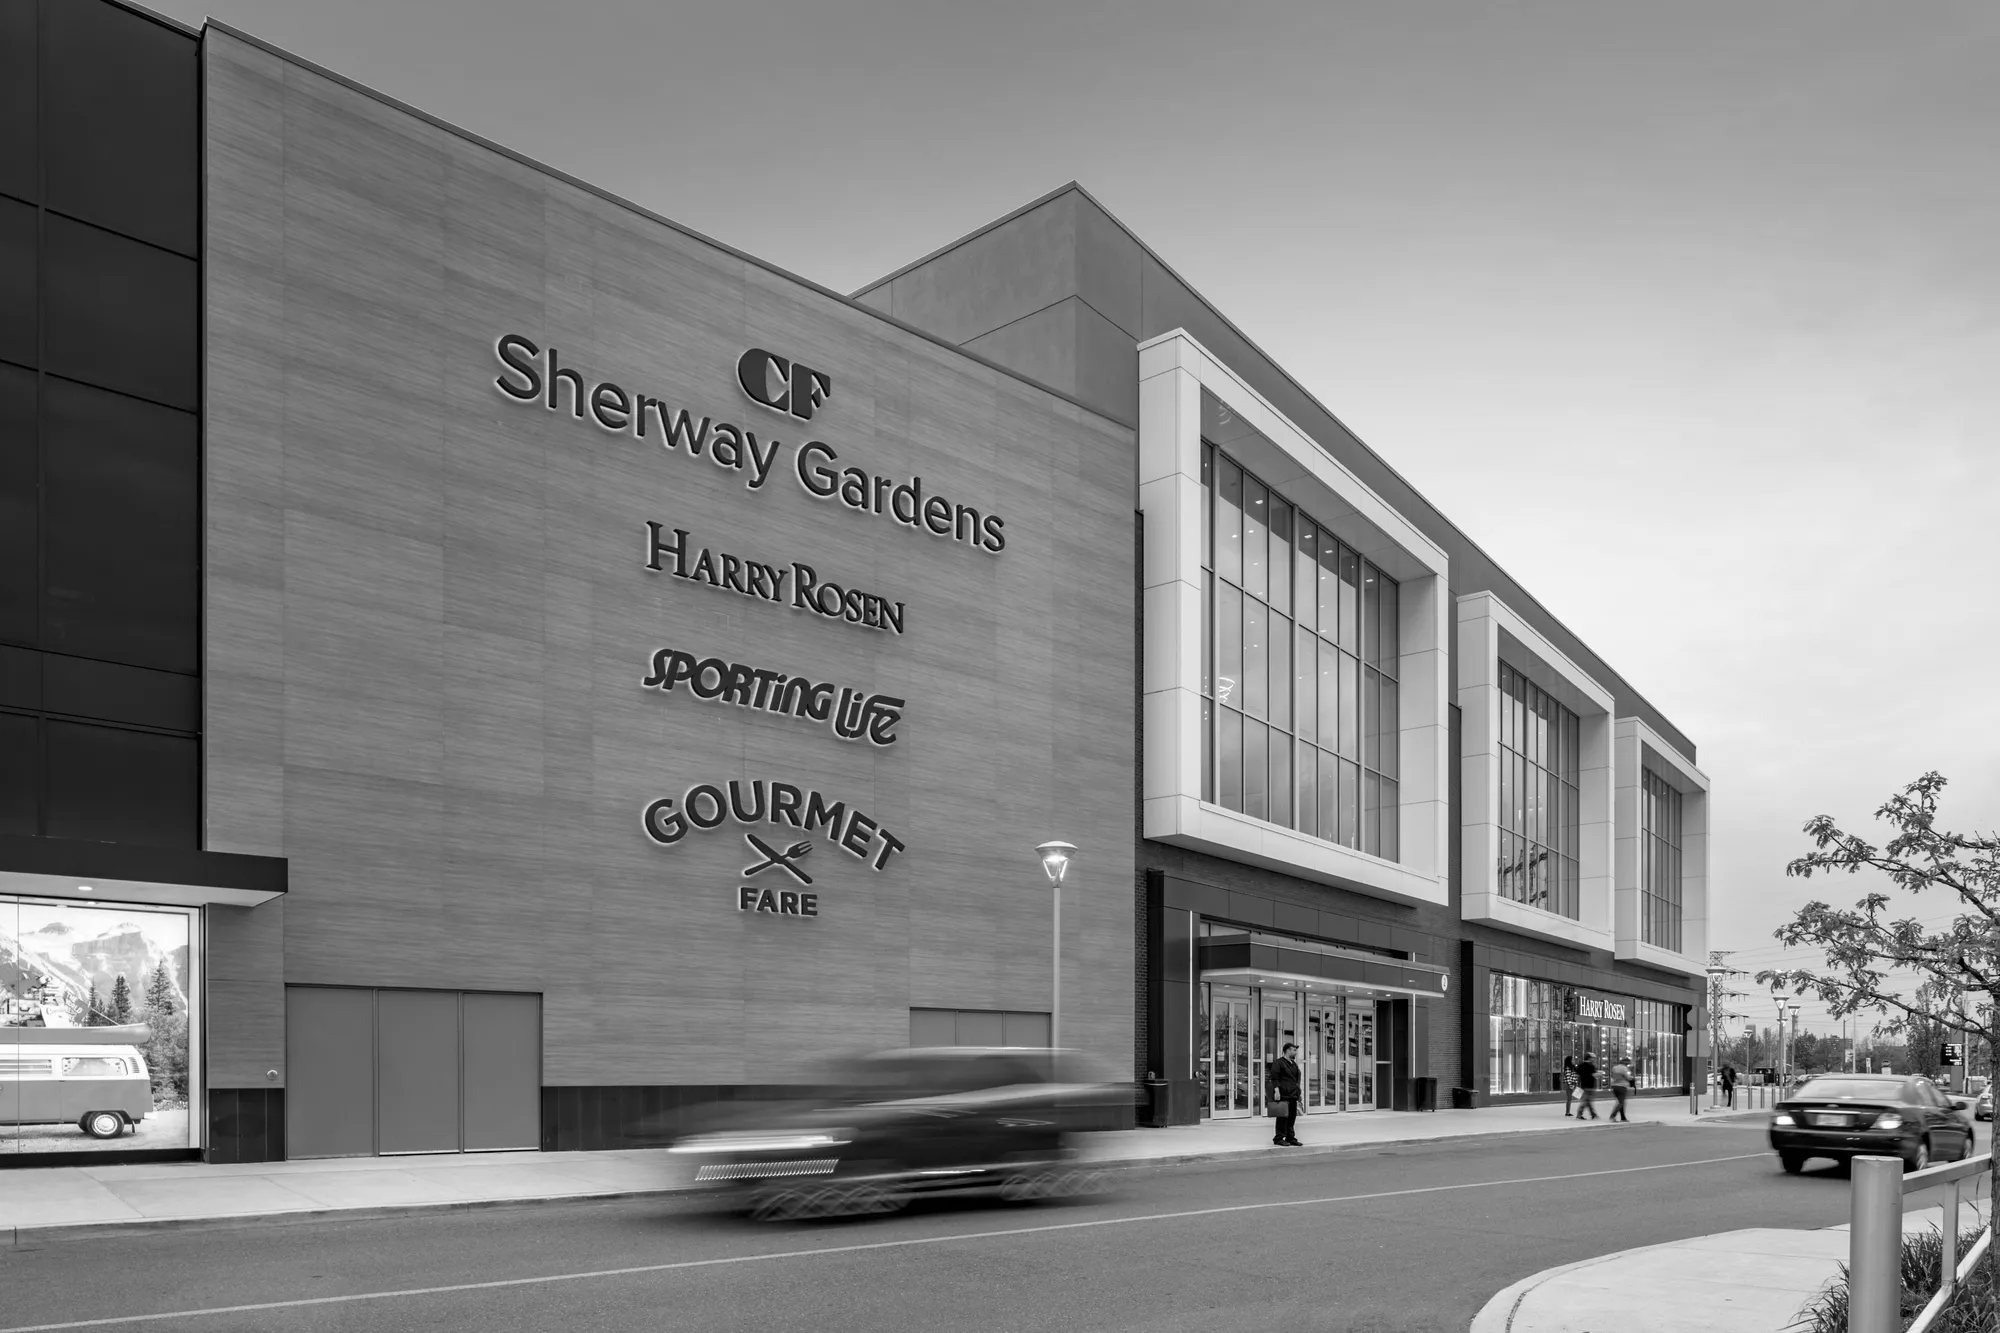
point(1538, 797)
point(1659, 862)
point(1299, 680)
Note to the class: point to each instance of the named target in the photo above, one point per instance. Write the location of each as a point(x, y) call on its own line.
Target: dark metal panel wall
point(100, 456)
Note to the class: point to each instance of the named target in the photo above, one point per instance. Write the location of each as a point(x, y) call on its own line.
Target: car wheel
point(1919, 1157)
point(1793, 1162)
point(776, 1206)
point(103, 1124)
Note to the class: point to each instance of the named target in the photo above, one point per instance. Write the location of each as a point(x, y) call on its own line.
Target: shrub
point(1974, 1307)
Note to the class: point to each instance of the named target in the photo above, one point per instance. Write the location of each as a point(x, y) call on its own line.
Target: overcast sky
point(1688, 313)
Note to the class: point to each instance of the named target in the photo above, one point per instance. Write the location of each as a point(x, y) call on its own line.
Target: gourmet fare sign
point(790, 890)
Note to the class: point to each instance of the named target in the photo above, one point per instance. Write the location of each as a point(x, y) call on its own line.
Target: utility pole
point(1783, 1004)
point(1719, 995)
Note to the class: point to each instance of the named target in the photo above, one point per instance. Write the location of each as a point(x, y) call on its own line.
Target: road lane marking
point(905, 1243)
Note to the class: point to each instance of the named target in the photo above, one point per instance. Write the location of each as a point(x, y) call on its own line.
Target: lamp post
point(1055, 860)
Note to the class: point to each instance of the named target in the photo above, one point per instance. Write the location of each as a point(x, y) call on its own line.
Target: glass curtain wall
point(1299, 688)
point(1659, 862)
point(1538, 797)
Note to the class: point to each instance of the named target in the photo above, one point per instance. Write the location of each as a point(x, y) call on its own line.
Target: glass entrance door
point(1280, 1015)
point(1321, 1063)
point(1231, 1090)
point(1360, 1056)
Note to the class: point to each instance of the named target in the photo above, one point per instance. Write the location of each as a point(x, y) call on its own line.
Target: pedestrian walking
point(1727, 1080)
point(1569, 1084)
point(1621, 1088)
point(1586, 1087)
point(1283, 1095)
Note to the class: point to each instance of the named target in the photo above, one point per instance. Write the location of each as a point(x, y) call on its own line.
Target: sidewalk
point(1754, 1280)
point(70, 1200)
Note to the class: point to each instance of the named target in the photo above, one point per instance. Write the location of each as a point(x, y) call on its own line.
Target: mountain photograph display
point(121, 970)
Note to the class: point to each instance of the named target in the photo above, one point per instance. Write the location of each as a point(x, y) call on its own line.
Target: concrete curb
point(1497, 1315)
point(47, 1231)
point(50, 1231)
point(1330, 1149)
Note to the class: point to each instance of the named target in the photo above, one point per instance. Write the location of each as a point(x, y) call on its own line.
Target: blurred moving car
point(890, 1127)
point(1891, 1115)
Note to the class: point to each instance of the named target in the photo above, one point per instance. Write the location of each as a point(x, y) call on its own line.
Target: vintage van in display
point(93, 1078)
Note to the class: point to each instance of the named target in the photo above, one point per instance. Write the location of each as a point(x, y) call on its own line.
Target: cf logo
point(784, 385)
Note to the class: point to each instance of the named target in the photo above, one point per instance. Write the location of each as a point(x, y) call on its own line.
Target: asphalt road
point(1391, 1241)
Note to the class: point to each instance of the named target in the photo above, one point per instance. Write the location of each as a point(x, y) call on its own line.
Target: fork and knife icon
point(783, 860)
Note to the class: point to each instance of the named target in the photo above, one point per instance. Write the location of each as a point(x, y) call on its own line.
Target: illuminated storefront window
point(98, 1021)
point(1534, 1025)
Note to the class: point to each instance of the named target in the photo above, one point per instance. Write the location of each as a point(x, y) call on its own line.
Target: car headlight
point(1782, 1119)
point(1888, 1120)
point(755, 1142)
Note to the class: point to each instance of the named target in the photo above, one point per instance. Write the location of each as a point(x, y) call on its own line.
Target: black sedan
point(885, 1129)
point(1888, 1115)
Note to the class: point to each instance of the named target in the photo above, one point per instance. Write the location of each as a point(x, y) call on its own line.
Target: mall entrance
point(1341, 1058)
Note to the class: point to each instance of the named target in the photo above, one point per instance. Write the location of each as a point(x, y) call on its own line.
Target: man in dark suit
point(1286, 1083)
point(1586, 1083)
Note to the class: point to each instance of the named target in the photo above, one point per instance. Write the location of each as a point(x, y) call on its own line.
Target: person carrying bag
point(1282, 1095)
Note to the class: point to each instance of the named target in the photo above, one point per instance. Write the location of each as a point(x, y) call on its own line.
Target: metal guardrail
point(1875, 1243)
point(1749, 1097)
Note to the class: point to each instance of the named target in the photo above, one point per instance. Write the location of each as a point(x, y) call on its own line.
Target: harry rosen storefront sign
point(532, 376)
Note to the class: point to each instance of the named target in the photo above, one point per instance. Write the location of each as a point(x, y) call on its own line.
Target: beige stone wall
point(427, 617)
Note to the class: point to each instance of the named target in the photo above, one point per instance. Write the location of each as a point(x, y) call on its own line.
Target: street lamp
point(1055, 860)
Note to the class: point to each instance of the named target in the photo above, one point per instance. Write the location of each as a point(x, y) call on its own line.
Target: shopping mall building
point(485, 667)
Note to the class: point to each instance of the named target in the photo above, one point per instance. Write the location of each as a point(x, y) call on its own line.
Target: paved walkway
point(1752, 1281)
point(72, 1199)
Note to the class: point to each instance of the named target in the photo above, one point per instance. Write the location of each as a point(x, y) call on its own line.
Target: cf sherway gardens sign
point(535, 376)
point(532, 376)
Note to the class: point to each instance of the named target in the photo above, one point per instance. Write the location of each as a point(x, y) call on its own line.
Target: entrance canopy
point(33, 867)
point(1255, 959)
point(1310, 984)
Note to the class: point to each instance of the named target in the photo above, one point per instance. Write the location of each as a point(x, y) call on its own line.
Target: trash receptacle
point(1461, 1099)
point(1423, 1094)
point(1154, 1114)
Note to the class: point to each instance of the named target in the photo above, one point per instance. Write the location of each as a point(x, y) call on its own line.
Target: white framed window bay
point(1175, 372)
